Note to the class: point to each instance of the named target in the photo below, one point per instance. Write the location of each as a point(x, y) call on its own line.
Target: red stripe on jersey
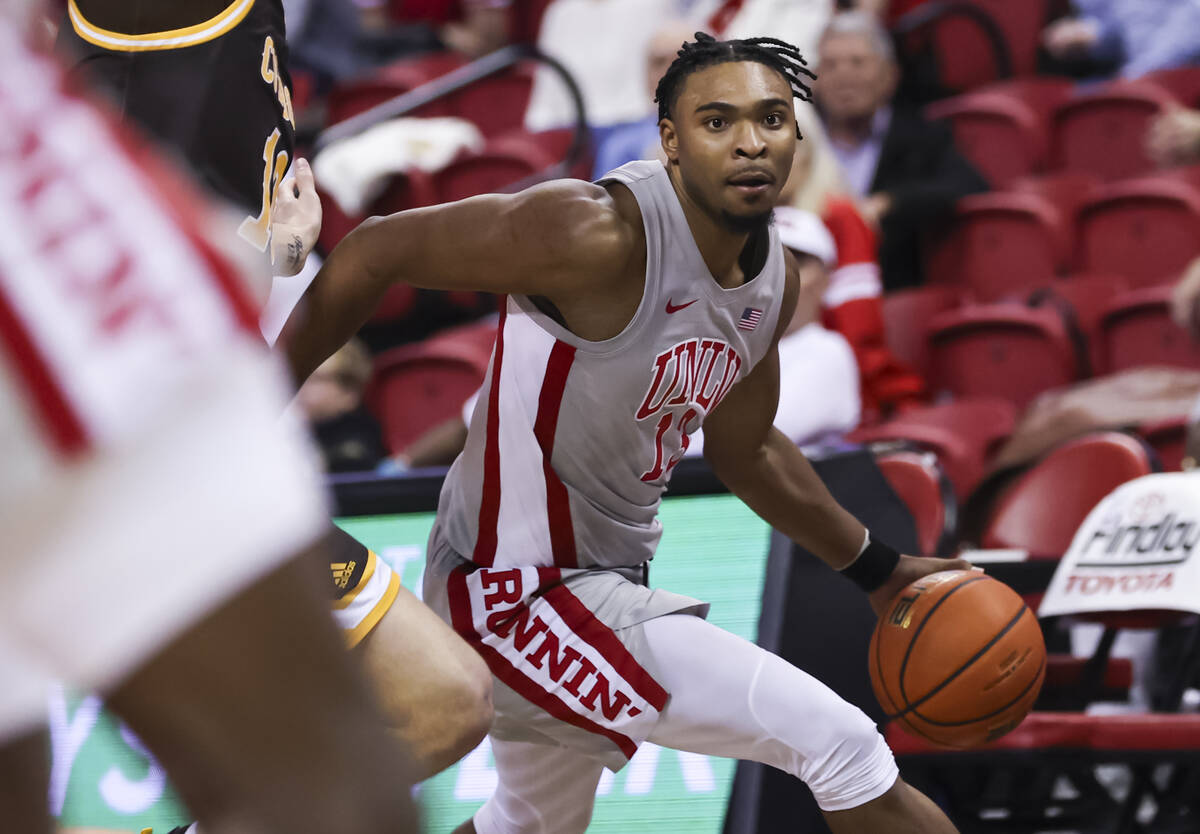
point(489, 502)
point(514, 678)
point(584, 623)
point(59, 419)
point(558, 504)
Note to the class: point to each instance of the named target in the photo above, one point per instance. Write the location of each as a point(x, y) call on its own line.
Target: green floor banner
point(713, 548)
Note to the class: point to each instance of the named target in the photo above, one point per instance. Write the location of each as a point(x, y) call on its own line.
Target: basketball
point(957, 658)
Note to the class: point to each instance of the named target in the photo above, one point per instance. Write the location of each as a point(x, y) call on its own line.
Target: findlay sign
point(1137, 549)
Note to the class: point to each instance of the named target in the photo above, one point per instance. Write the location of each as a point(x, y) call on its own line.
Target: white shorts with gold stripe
point(366, 591)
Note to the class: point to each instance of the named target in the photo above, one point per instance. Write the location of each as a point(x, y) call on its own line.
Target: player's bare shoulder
point(586, 229)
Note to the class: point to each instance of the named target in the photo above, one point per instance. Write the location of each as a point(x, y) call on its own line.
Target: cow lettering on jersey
point(509, 618)
point(689, 380)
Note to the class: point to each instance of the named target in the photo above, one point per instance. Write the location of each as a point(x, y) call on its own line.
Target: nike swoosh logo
point(671, 308)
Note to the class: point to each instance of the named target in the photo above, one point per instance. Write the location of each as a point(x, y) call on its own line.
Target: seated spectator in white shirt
point(818, 374)
point(595, 40)
point(639, 139)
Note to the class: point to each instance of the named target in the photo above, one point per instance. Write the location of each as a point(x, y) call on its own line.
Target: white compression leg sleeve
point(541, 790)
point(732, 698)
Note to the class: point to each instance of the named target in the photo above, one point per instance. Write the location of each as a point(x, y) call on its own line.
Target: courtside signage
point(1137, 549)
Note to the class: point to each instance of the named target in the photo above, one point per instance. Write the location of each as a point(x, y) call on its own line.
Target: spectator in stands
point(799, 22)
point(594, 40)
point(332, 40)
point(818, 377)
point(639, 139)
point(350, 439)
point(815, 196)
point(337, 39)
point(904, 171)
point(1174, 137)
point(1126, 37)
point(472, 28)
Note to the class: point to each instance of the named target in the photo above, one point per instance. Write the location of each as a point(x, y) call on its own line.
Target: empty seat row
point(1015, 350)
point(1147, 230)
point(1016, 128)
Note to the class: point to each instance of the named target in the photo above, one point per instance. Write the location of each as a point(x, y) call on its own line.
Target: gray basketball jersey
point(573, 442)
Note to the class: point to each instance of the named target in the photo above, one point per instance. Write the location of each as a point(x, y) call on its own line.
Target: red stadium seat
point(1168, 439)
point(1182, 82)
point(1042, 510)
point(920, 483)
point(412, 189)
point(500, 165)
point(335, 224)
point(1004, 129)
point(964, 54)
point(1137, 330)
point(1087, 296)
point(1082, 300)
point(495, 104)
point(398, 301)
point(962, 434)
point(418, 386)
point(906, 317)
point(351, 97)
point(1001, 243)
point(1146, 229)
point(526, 20)
point(1102, 130)
point(1004, 350)
point(557, 144)
point(1066, 190)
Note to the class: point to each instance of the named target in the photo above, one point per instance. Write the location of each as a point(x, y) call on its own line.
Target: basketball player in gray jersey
point(638, 309)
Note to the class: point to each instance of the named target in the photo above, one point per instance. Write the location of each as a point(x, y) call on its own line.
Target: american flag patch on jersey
point(750, 318)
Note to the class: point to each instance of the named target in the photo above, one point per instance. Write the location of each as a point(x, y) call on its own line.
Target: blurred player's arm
point(551, 240)
point(760, 465)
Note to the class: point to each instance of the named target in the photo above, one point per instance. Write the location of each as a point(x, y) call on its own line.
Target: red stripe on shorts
point(514, 678)
point(558, 504)
point(584, 623)
point(489, 502)
point(59, 419)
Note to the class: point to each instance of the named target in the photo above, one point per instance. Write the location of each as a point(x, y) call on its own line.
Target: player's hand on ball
point(909, 569)
point(295, 220)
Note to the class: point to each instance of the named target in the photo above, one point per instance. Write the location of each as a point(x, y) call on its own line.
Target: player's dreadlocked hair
point(706, 51)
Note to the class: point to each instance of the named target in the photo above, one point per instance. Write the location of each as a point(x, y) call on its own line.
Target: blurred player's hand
point(295, 220)
point(909, 570)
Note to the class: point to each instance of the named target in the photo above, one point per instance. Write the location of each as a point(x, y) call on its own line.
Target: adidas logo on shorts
point(342, 571)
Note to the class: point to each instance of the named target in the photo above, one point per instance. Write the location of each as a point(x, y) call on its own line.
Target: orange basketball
point(958, 658)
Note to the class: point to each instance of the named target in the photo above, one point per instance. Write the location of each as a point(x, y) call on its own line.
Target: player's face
point(732, 136)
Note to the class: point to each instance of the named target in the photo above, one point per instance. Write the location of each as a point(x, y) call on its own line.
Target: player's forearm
point(342, 296)
point(781, 486)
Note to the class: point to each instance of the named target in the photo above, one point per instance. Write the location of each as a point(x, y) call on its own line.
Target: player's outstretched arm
point(764, 468)
point(552, 240)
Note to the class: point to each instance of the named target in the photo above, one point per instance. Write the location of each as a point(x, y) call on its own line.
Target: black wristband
point(873, 566)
